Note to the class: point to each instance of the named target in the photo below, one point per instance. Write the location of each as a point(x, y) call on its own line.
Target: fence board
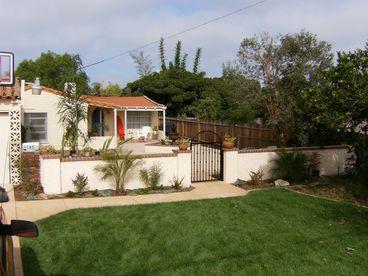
point(248, 136)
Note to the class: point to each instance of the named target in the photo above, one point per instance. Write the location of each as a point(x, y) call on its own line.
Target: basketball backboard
point(6, 69)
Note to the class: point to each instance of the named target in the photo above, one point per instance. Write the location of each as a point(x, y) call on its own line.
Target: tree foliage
point(55, 70)
point(143, 64)
point(112, 89)
point(284, 65)
point(339, 105)
point(72, 110)
point(117, 165)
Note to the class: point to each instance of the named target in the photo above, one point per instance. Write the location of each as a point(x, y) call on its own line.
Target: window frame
point(28, 135)
point(138, 120)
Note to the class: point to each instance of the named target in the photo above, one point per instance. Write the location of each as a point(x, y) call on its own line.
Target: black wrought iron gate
point(207, 157)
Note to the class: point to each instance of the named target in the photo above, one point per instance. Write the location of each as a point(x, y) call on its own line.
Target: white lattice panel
point(15, 146)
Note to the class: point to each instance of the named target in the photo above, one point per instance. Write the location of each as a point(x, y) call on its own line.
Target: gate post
point(185, 167)
point(230, 165)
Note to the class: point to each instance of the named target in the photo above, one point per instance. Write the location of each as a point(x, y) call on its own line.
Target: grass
point(270, 232)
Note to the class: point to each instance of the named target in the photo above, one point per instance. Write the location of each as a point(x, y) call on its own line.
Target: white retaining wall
point(238, 164)
point(57, 174)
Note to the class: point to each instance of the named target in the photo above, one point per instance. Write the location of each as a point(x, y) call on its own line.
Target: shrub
point(256, 177)
point(176, 183)
point(117, 165)
point(87, 149)
point(291, 166)
point(151, 177)
point(47, 149)
point(80, 182)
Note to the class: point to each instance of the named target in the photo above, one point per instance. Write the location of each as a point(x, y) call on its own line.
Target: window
point(36, 127)
point(138, 119)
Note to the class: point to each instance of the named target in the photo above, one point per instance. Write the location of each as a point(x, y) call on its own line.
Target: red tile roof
point(112, 101)
point(10, 92)
point(123, 102)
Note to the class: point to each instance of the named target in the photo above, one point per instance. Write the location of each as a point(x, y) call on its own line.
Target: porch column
point(164, 122)
point(116, 127)
point(125, 122)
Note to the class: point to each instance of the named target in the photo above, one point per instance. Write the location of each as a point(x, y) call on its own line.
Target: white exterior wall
point(239, 165)
point(56, 175)
point(47, 103)
point(50, 175)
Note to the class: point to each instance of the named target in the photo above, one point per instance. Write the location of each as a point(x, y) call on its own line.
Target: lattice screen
point(15, 146)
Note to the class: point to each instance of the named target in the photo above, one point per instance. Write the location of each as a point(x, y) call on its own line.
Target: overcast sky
point(100, 29)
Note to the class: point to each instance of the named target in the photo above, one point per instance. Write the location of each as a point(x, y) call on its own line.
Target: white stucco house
point(123, 117)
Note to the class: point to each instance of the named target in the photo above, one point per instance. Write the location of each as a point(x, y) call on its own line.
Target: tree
point(284, 65)
point(72, 110)
point(196, 61)
point(180, 61)
point(176, 88)
point(112, 89)
point(162, 55)
point(55, 70)
point(339, 104)
point(143, 64)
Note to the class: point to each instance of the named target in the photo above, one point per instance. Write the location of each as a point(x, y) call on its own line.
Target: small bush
point(105, 193)
point(176, 183)
point(47, 149)
point(94, 192)
point(80, 182)
point(256, 178)
point(290, 166)
point(152, 176)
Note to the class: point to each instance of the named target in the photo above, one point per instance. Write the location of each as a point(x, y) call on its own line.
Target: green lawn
point(270, 232)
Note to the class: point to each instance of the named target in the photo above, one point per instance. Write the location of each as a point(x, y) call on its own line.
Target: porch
point(122, 118)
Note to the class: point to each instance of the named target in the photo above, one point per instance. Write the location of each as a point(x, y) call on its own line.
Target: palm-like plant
point(72, 111)
point(291, 166)
point(117, 165)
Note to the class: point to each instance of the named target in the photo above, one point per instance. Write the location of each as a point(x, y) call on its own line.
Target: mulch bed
point(19, 194)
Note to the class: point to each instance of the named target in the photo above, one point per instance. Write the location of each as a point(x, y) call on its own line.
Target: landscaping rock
point(281, 183)
point(240, 182)
point(42, 196)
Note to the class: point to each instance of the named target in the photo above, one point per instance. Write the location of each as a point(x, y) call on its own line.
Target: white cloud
point(99, 29)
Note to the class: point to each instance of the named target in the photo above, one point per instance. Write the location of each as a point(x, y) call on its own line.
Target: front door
point(4, 146)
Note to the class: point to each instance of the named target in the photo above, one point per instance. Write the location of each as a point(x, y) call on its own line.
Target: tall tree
point(197, 60)
point(284, 65)
point(339, 104)
point(55, 70)
point(143, 64)
point(162, 54)
point(177, 59)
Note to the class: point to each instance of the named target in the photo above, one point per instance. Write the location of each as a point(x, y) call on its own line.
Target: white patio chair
point(144, 132)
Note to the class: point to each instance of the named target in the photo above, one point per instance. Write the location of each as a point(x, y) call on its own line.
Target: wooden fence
point(248, 136)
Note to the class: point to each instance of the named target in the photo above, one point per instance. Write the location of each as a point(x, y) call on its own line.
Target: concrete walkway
point(39, 209)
